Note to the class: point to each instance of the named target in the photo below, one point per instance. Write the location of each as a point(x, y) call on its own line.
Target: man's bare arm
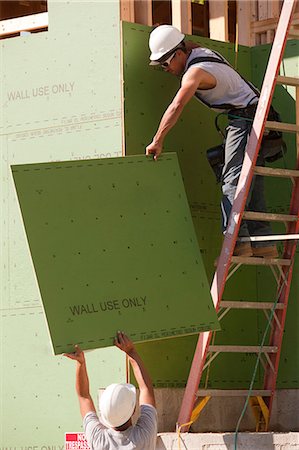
point(82, 381)
point(193, 79)
point(141, 374)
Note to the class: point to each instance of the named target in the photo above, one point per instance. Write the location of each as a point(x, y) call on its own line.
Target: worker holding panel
point(113, 430)
point(206, 75)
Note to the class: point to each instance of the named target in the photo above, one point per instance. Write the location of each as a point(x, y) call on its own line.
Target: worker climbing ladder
point(269, 355)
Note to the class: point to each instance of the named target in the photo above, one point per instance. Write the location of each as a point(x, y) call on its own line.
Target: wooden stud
point(181, 15)
point(219, 20)
point(144, 12)
point(244, 11)
point(127, 11)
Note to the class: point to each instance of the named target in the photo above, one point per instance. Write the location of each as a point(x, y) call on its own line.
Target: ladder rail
point(276, 335)
point(238, 207)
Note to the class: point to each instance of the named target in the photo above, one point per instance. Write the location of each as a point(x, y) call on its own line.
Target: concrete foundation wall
point(245, 441)
point(215, 417)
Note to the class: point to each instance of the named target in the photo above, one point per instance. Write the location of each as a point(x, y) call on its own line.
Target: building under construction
point(77, 87)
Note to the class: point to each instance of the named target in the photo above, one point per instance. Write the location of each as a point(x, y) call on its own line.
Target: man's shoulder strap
point(200, 59)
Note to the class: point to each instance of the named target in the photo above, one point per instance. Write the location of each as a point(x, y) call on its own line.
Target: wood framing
point(144, 12)
point(181, 15)
point(127, 10)
point(219, 20)
point(25, 23)
point(244, 17)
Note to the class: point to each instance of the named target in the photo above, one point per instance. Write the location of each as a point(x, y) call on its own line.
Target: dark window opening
point(162, 12)
point(200, 18)
point(13, 9)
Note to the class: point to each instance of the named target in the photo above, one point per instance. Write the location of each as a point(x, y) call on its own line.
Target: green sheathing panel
point(60, 100)
point(148, 91)
point(114, 248)
point(278, 195)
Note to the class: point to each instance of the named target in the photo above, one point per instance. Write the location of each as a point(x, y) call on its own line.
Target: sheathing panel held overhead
point(59, 102)
point(137, 262)
point(147, 92)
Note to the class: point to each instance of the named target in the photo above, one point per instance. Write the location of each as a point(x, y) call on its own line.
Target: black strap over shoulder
point(220, 60)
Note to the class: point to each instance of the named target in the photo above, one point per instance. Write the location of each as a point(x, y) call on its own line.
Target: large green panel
point(114, 247)
point(148, 91)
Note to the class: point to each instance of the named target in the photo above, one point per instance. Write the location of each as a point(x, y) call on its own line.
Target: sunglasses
point(167, 61)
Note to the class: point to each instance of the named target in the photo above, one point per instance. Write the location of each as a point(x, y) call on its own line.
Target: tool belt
point(247, 113)
point(273, 146)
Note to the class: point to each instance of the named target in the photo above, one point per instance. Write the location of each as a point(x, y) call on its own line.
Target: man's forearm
point(142, 376)
point(168, 120)
point(82, 381)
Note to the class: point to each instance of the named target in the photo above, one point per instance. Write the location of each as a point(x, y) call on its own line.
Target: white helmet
point(162, 40)
point(117, 404)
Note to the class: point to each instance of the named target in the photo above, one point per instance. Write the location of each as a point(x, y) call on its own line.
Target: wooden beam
point(244, 14)
point(219, 20)
point(274, 7)
point(127, 10)
point(181, 15)
point(25, 23)
point(144, 12)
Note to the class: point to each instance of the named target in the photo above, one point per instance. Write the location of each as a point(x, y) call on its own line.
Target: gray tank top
point(231, 91)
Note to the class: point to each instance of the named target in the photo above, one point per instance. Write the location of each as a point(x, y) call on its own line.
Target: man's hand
point(154, 149)
point(77, 355)
point(124, 343)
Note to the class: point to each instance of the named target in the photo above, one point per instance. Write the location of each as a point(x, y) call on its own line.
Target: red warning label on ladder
point(75, 441)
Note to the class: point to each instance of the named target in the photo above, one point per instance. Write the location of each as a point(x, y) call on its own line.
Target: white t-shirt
point(230, 89)
point(141, 436)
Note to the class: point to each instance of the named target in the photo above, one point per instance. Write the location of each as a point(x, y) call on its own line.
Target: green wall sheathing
point(148, 91)
point(61, 100)
point(136, 265)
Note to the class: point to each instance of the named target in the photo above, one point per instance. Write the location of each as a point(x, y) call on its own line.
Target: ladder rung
point(280, 126)
point(269, 172)
point(251, 261)
point(290, 81)
point(274, 237)
point(253, 215)
point(242, 349)
point(232, 393)
point(250, 305)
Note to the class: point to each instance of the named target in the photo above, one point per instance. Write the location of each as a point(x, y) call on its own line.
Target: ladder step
point(280, 126)
point(251, 261)
point(232, 393)
point(274, 237)
point(250, 305)
point(242, 349)
point(269, 172)
point(253, 215)
point(290, 81)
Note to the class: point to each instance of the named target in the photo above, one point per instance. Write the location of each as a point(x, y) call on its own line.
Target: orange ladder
point(269, 355)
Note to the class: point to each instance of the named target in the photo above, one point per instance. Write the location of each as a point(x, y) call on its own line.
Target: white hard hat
point(162, 40)
point(117, 404)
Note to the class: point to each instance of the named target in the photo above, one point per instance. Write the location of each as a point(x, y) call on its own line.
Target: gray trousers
point(238, 132)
